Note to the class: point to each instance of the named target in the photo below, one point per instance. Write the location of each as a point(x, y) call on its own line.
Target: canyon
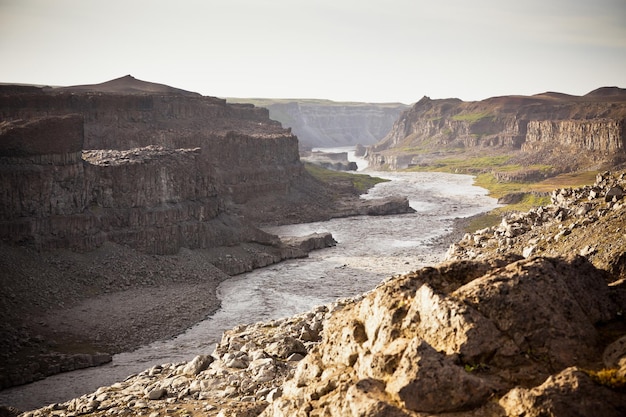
point(550, 132)
point(145, 190)
point(329, 124)
point(107, 187)
point(496, 331)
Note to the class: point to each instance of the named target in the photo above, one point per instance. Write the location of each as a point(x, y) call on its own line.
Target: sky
point(342, 50)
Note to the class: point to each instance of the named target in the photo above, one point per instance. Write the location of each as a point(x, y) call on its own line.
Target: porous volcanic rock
point(411, 347)
point(500, 337)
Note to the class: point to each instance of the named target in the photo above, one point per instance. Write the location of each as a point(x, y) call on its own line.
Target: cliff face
point(527, 126)
point(153, 168)
point(598, 135)
point(324, 124)
point(153, 199)
point(149, 166)
point(126, 121)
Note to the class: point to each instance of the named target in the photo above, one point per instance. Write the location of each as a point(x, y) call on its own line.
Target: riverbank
point(68, 310)
point(563, 343)
point(138, 316)
point(370, 249)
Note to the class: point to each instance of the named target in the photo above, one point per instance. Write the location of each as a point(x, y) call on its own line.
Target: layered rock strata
point(149, 168)
point(538, 129)
point(328, 124)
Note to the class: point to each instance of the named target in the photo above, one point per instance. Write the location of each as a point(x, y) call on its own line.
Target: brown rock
point(408, 348)
point(428, 381)
point(569, 393)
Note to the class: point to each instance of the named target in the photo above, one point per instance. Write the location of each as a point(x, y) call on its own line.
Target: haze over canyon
point(137, 189)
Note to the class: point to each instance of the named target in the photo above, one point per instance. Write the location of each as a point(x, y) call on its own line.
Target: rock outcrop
point(455, 339)
point(328, 124)
point(586, 221)
point(539, 129)
point(501, 334)
point(150, 168)
point(500, 337)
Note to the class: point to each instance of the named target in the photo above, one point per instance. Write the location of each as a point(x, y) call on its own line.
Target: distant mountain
point(325, 123)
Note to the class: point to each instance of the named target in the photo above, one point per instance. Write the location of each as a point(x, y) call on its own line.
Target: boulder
point(569, 393)
point(446, 339)
point(614, 355)
point(286, 347)
point(197, 365)
point(614, 194)
point(428, 381)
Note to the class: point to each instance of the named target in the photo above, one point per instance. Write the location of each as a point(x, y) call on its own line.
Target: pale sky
point(344, 50)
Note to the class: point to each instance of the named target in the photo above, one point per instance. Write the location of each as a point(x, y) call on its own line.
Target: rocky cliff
point(143, 171)
point(155, 198)
point(148, 166)
point(539, 129)
point(495, 332)
point(327, 124)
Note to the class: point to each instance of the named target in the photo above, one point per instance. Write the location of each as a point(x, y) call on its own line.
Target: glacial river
point(369, 249)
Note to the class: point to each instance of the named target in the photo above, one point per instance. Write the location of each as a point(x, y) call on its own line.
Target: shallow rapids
point(369, 249)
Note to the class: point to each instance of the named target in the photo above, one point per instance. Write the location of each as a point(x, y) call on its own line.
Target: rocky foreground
point(526, 319)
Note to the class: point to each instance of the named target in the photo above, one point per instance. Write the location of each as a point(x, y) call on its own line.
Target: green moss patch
point(360, 182)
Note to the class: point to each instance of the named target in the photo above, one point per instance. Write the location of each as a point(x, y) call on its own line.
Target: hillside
point(527, 137)
point(327, 124)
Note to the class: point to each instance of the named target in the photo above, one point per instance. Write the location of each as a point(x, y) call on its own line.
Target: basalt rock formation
point(87, 170)
point(146, 165)
point(328, 124)
point(563, 131)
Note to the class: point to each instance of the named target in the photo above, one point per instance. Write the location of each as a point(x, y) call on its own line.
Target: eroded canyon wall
point(327, 124)
point(540, 128)
point(154, 171)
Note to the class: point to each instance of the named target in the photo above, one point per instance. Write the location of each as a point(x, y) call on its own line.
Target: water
point(369, 249)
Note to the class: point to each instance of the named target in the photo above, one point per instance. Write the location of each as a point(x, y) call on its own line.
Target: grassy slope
point(360, 182)
point(536, 192)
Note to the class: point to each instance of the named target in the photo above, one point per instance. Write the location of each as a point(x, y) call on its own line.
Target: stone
point(274, 394)
point(157, 393)
point(614, 194)
point(528, 251)
point(568, 393)
point(285, 347)
point(236, 363)
point(295, 357)
point(426, 381)
point(198, 364)
point(367, 398)
point(542, 298)
point(615, 353)
point(587, 251)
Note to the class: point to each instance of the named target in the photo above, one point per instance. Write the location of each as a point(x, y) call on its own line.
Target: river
point(369, 249)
